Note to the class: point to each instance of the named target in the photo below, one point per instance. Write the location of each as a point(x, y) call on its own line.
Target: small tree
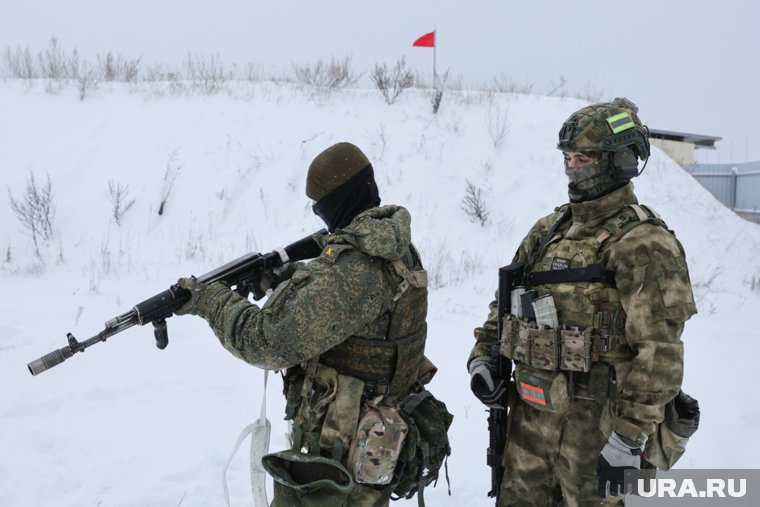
point(474, 205)
point(435, 100)
point(35, 211)
point(117, 194)
point(392, 82)
point(172, 171)
point(497, 122)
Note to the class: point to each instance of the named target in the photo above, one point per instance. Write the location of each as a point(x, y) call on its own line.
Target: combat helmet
point(614, 134)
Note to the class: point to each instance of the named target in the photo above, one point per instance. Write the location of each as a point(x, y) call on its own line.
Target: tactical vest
point(362, 368)
point(570, 288)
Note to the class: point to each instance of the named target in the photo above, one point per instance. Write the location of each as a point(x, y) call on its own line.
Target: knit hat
point(332, 168)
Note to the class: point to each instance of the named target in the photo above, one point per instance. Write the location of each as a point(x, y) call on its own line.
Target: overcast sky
point(691, 65)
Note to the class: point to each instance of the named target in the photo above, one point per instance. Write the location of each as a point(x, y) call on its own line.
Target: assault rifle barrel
point(155, 310)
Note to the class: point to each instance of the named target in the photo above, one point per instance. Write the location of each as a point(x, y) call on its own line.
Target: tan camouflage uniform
point(347, 298)
point(551, 458)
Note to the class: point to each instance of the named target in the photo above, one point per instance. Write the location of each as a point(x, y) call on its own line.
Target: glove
point(618, 455)
point(269, 280)
point(196, 288)
point(488, 390)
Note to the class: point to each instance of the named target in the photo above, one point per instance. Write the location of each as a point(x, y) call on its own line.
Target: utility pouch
point(376, 448)
point(318, 392)
point(668, 443)
point(427, 444)
point(599, 382)
point(575, 349)
point(544, 390)
point(339, 425)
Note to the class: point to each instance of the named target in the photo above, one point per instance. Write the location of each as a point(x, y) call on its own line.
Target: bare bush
point(558, 87)
point(504, 84)
point(35, 211)
point(326, 76)
point(497, 122)
point(392, 83)
point(474, 205)
point(590, 94)
point(206, 74)
point(54, 63)
point(86, 80)
point(19, 63)
point(120, 202)
point(112, 67)
point(172, 171)
point(435, 100)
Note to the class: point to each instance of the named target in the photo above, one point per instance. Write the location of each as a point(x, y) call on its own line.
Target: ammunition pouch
point(668, 443)
point(569, 349)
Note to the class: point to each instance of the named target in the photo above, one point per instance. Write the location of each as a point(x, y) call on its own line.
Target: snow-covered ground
point(127, 425)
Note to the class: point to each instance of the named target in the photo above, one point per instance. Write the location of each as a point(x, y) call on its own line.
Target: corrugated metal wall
point(735, 185)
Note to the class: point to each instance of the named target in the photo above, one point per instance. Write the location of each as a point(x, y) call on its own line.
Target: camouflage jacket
point(653, 288)
point(348, 291)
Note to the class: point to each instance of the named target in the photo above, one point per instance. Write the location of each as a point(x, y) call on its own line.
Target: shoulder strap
point(632, 216)
point(414, 278)
point(536, 252)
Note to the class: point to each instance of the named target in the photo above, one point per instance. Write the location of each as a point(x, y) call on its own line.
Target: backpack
point(427, 445)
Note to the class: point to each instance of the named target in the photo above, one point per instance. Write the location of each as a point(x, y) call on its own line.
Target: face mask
point(592, 180)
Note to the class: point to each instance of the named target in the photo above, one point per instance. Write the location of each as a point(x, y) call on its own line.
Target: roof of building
point(698, 140)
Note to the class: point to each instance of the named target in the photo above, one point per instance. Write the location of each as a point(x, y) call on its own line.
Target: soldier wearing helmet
point(598, 295)
point(349, 330)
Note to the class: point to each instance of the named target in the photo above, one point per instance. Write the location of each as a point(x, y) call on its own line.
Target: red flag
point(426, 41)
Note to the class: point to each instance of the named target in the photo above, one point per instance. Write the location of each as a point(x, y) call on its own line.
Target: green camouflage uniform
point(550, 457)
point(348, 326)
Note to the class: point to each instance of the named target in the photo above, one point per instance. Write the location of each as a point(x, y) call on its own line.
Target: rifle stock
point(244, 271)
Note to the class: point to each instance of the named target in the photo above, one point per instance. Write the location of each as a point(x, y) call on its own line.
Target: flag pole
point(435, 47)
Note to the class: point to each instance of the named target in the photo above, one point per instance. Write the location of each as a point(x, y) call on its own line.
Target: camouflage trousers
point(551, 458)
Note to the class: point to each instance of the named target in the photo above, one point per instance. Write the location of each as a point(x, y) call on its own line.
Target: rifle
point(501, 368)
point(244, 272)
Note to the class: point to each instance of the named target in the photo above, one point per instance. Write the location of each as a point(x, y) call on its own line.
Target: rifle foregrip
point(49, 360)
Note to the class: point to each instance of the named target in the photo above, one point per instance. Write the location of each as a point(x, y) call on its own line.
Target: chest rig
point(567, 314)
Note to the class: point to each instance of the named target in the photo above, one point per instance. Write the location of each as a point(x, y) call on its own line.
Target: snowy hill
point(126, 425)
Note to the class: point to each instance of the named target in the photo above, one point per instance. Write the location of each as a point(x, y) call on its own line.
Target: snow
point(125, 424)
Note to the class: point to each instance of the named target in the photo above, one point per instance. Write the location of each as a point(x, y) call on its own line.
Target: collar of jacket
point(598, 211)
point(384, 231)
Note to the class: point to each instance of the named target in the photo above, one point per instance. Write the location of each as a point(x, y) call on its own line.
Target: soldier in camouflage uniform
point(349, 330)
point(593, 330)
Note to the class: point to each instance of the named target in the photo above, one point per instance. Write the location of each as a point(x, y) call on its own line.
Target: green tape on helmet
point(620, 122)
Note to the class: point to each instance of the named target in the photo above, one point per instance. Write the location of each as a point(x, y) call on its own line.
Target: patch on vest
point(560, 263)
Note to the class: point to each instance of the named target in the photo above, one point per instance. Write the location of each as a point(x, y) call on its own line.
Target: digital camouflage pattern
point(646, 310)
point(346, 291)
point(333, 309)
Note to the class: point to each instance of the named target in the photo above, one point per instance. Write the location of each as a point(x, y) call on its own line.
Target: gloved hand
point(487, 389)
point(618, 455)
point(270, 279)
point(196, 288)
